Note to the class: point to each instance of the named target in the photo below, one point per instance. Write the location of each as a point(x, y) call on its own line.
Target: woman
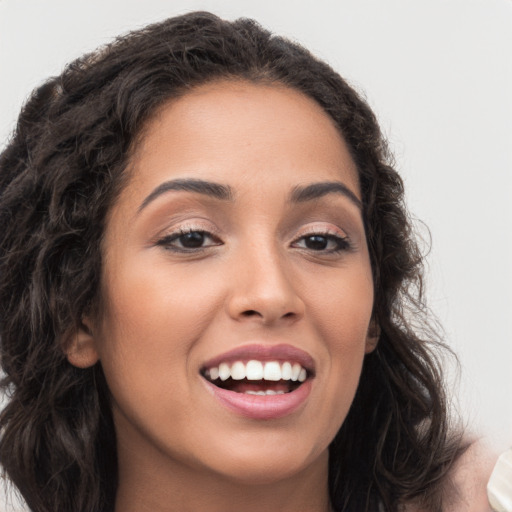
point(210, 293)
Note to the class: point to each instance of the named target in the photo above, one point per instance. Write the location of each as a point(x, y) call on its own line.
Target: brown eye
point(189, 241)
point(192, 240)
point(326, 243)
point(316, 242)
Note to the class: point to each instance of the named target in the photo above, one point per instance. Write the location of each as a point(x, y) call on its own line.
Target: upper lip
point(281, 352)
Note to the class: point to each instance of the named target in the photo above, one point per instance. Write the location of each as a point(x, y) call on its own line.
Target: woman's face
point(237, 248)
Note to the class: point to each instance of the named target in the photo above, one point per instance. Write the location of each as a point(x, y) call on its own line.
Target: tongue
point(242, 386)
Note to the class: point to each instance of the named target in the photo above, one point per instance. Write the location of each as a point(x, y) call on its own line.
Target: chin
point(263, 467)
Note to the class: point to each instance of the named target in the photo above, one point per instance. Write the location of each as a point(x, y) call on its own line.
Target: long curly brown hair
point(59, 175)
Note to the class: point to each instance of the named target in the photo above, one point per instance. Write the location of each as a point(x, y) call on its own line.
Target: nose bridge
point(262, 284)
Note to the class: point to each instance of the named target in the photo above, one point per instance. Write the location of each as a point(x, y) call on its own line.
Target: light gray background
point(438, 73)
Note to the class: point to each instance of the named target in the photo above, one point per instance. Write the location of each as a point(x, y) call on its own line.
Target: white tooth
point(279, 392)
point(238, 371)
point(214, 373)
point(286, 371)
point(270, 392)
point(272, 371)
point(224, 371)
point(254, 370)
point(302, 375)
point(251, 392)
point(296, 368)
point(261, 393)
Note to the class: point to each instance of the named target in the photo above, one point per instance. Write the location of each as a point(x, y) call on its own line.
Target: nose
point(263, 289)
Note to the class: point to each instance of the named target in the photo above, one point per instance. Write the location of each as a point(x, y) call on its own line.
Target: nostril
point(251, 312)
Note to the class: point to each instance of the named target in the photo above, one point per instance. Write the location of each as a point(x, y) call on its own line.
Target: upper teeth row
point(256, 370)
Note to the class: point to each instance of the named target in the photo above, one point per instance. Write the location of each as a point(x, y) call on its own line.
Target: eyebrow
point(302, 194)
point(207, 188)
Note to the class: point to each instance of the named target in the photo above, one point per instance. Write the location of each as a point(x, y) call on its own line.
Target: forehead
point(236, 131)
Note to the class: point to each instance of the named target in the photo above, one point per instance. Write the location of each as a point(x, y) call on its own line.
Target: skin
point(255, 280)
point(468, 485)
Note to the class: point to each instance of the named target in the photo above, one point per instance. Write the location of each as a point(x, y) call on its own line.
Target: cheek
point(150, 326)
point(342, 308)
point(341, 313)
point(157, 301)
point(154, 315)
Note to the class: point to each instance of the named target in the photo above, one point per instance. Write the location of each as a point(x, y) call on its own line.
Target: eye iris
point(316, 242)
point(192, 240)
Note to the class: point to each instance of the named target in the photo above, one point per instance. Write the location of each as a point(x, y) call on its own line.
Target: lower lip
point(262, 407)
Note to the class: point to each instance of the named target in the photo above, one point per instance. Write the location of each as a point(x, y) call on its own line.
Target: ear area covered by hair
point(372, 337)
point(80, 347)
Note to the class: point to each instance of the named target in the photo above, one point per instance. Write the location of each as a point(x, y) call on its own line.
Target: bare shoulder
point(468, 486)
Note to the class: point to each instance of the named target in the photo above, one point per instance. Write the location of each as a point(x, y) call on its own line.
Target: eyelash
point(168, 241)
point(342, 243)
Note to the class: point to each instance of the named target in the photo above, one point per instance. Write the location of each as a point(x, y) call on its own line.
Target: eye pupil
point(316, 242)
point(192, 240)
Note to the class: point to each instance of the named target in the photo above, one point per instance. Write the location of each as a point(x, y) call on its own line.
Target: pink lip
point(262, 407)
point(281, 352)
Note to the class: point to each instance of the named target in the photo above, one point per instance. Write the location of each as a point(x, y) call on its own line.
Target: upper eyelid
point(209, 230)
point(187, 226)
point(318, 229)
point(208, 227)
point(186, 230)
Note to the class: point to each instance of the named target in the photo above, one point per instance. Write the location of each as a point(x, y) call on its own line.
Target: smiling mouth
point(263, 378)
